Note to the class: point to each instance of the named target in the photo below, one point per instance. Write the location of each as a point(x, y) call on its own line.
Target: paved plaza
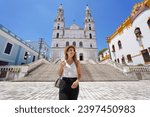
point(125, 90)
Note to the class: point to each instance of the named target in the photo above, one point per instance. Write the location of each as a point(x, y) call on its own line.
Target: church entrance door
point(81, 56)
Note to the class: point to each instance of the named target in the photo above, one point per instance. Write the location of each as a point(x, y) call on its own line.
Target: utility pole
point(40, 47)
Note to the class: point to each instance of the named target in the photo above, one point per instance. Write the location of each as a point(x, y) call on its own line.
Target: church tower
point(89, 28)
point(59, 25)
point(83, 38)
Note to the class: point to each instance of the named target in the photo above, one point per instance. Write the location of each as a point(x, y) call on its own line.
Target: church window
point(57, 36)
point(74, 43)
point(90, 36)
point(57, 45)
point(138, 33)
point(80, 44)
point(113, 48)
point(148, 22)
point(89, 26)
point(91, 45)
point(129, 58)
point(67, 43)
point(58, 27)
point(89, 20)
point(119, 44)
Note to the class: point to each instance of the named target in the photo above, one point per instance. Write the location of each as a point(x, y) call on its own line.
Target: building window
point(57, 45)
point(115, 60)
point(119, 44)
point(74, 43)
point(89, 26)
point(138, 33)
point(58, 27)
point(90, 36)
point(118, 61)
point(33, 59)
point(148, 22)
point(91, 45)
point(113, 48)
point(67, 43)
point(8, 48)
point(80, 44)
point(129, 58)
point(123, 59)
point(57, 36)
point(89, 20)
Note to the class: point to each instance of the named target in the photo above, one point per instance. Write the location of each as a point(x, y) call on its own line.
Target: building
point(83, 38)
point(104, 55)
point(130, 43)
point(13, 50)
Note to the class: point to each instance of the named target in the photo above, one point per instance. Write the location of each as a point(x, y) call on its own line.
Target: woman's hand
point(75, 84)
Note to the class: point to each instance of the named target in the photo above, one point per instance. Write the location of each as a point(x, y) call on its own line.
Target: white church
point(83, 38)
point(130, 43)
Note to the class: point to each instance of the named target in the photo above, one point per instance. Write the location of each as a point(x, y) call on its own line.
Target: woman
point(71, 74)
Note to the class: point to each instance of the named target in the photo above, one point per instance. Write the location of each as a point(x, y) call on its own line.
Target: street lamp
point(27, 55)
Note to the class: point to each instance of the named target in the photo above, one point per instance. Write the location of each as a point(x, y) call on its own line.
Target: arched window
point(74, 43)
point(58, 27)
point(89, 26)
point(119, 44)
point(137, 32)
point(67, 43)
point(113, 48)
point(57, 45)
point(80, 44)
point(148, 22)
point(90, 36)
point(57, 36)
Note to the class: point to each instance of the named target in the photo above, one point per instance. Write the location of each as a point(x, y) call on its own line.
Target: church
point(84, 39)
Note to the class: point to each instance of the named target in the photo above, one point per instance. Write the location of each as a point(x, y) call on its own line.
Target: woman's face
point(70, 52)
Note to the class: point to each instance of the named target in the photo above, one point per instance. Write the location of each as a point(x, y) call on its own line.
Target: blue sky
point(33, 19)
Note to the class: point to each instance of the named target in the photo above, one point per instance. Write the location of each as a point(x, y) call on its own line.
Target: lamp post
point(27, 55)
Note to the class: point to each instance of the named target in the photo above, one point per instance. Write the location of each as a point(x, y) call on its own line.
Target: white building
point(83, 38)
point(130, 43)
point(104, 55)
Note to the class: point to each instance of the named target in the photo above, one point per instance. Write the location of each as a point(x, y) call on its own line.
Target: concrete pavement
point(125, 90)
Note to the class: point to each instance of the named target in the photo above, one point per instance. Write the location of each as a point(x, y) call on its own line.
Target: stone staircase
point(90, 72)
point(103, 72)
point(46, 72)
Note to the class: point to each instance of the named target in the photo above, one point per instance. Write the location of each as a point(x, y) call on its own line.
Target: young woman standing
point(71, 73)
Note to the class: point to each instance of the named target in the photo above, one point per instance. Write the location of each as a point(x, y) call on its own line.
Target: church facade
point(84, 39)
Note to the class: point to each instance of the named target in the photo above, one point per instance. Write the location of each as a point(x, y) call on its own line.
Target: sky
point(34, 19)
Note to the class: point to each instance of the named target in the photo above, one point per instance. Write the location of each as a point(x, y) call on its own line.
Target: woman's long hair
point(74, 57)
